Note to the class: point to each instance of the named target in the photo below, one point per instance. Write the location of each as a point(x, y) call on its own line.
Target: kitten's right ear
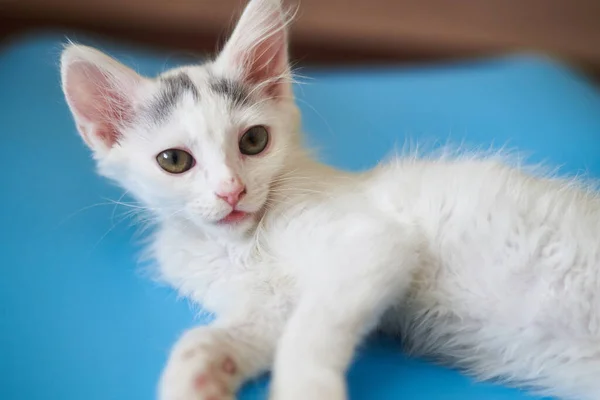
point(102, 95)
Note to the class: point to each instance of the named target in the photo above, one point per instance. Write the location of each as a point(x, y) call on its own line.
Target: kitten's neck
point(302, 177)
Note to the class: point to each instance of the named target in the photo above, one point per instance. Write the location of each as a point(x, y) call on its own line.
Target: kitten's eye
point(254, 140)
point(175, 161)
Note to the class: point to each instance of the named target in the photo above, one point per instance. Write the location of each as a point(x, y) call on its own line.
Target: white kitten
point(473, 262)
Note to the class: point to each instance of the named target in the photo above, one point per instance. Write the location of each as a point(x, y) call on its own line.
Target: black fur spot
point(173, 88)
point(235, 91)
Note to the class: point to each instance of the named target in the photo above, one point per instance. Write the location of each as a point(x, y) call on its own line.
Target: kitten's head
point(200, 143)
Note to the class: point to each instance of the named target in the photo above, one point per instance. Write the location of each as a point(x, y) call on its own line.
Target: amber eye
point(254, 140)
point(175, 161)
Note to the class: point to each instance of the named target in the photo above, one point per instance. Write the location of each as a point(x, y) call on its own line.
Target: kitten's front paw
point(312, 383)
point(200, 368)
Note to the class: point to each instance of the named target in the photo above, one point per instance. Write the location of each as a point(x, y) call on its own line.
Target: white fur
point(474, 262)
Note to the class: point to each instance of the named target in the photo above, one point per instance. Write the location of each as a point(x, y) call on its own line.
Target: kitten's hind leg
point(358, 272)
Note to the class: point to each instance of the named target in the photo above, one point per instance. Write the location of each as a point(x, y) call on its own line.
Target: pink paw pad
point(229, 366)
point(200, 381)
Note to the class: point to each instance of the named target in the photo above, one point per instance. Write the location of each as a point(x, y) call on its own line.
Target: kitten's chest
point(216, 275)
point(191, 264)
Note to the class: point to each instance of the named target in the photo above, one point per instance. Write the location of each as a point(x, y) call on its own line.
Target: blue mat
point(80, 322)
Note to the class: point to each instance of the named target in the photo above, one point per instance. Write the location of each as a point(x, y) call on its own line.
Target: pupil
point(174, 158)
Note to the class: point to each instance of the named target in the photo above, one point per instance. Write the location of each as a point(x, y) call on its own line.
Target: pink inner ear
point(267, 62)
point(97, 99)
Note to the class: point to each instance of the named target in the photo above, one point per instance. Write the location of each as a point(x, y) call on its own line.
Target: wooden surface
point(342, 30)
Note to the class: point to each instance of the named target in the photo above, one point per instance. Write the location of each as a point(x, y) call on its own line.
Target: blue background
point(79, 320)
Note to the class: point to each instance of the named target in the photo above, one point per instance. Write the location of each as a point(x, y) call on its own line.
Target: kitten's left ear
point(258, 48)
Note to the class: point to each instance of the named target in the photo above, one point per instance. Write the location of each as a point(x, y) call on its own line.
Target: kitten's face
point(202, 144)
point(204, 114)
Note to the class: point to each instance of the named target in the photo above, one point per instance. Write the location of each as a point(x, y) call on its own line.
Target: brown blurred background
point(339, 31)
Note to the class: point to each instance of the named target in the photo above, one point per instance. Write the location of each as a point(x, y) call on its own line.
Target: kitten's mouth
point(234, 217)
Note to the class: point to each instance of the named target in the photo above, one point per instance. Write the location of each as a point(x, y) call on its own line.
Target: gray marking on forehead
point(173, 88)
point(234, 90)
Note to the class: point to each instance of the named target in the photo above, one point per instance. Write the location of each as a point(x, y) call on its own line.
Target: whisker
point(67, 218)
point(116, 203)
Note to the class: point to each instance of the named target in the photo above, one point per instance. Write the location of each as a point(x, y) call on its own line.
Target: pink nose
point(233, 194)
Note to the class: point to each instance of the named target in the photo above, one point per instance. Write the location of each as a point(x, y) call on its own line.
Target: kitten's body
point(508, 288)
point(470, 260)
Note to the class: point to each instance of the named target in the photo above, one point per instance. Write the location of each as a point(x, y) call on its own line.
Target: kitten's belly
point(509, 255)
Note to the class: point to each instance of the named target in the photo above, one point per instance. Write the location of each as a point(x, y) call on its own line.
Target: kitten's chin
point(236, 223)
point(235, 217)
